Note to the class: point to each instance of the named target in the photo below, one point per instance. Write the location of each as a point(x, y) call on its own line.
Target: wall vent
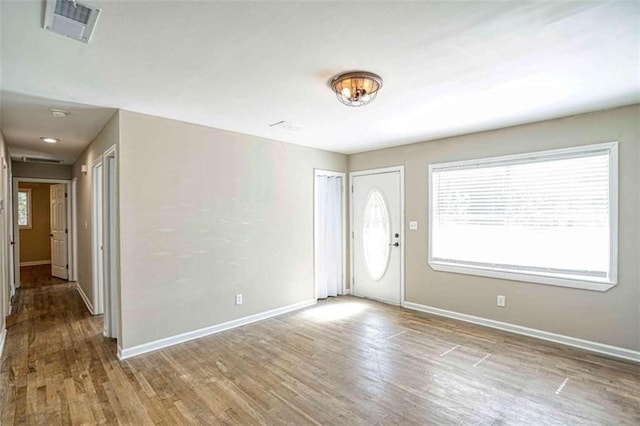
point(41, 160)
point(70, 19)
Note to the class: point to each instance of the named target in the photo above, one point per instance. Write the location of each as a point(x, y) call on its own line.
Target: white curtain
point(328, 236)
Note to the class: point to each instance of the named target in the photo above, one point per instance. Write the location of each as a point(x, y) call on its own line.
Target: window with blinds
point(546, 217)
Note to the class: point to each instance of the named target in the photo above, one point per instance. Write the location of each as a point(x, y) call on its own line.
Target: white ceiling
point(448, 67)
point(25, 119)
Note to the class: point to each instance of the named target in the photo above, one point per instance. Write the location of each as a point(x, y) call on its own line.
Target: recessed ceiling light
point(59, 113)
point(50, 140)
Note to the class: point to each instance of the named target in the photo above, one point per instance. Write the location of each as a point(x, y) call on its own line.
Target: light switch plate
point(413, 225)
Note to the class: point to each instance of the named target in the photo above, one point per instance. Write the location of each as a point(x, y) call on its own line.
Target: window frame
point(29, 224)
point(541, 278)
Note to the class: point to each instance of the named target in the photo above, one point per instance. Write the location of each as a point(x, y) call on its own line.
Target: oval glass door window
point(376, 235)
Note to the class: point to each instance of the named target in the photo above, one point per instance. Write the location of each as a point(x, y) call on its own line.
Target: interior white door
point(58, 234)
point(376, 236)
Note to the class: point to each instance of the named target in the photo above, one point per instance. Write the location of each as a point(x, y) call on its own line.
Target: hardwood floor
point(37, 276)
point(346, 361)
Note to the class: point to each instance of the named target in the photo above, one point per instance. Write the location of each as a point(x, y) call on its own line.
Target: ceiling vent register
point(41, 160)
point(71, 19)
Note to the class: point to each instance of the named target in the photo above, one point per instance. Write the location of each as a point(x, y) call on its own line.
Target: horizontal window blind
point(545, 214)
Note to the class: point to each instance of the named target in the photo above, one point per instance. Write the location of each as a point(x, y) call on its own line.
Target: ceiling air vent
point(71, 19)
point(41, 160)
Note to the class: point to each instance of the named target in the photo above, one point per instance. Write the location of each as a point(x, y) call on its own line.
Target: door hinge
point(65, 195)
point(352, 189)
point(67, 266)
point(352, 235)
point(66, 231)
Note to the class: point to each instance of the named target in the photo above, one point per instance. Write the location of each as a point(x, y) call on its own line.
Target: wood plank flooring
point(346, 361)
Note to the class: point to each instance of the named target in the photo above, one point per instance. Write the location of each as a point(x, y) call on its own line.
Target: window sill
point(528, 278)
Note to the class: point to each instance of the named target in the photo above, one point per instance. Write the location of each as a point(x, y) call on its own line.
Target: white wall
point(207, 214)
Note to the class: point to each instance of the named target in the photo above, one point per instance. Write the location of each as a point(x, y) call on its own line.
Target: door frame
point(72, 248)
point(97, 256)
point(104, 196)
point(6, 250)
point(343, 175)
point(110, 270)
point(73, 270)
point(402, 220)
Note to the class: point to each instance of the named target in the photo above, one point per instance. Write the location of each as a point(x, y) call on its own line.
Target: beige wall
point(611, 317)
point(108, 137)
point(40, 171)
point(207, 214)
point(35, 243)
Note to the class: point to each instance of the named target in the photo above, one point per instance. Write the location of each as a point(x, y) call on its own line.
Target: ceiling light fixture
point(59, 113)
point(50, 140)
point(356, 88)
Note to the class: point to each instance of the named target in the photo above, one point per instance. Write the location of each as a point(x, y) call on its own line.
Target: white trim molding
point(86, 300)
point(195, 334)
point(3, 337)
point(36, 263)
point(601, 348)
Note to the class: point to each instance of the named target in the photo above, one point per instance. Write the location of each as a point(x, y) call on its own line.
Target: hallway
point(53, 347)
point(343, 361)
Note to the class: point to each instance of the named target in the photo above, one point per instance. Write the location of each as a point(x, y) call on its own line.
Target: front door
point(377, 236)
point(58, 234)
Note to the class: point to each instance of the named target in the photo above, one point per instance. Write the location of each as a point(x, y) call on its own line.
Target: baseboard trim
point(86, 300)
point(3, 336)
point(601, 348)
point(36, 263)
point(190, 335)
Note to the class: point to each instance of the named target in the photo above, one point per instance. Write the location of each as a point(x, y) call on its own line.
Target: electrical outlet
point(502, 301)
point(413, 225)
point(238, 299)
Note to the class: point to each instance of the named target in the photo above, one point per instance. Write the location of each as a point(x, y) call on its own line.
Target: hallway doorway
point(42, 231)
point(103, 243)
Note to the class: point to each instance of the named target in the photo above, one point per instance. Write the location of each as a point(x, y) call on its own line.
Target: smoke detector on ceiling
point(59, 113)
point(70, 19)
